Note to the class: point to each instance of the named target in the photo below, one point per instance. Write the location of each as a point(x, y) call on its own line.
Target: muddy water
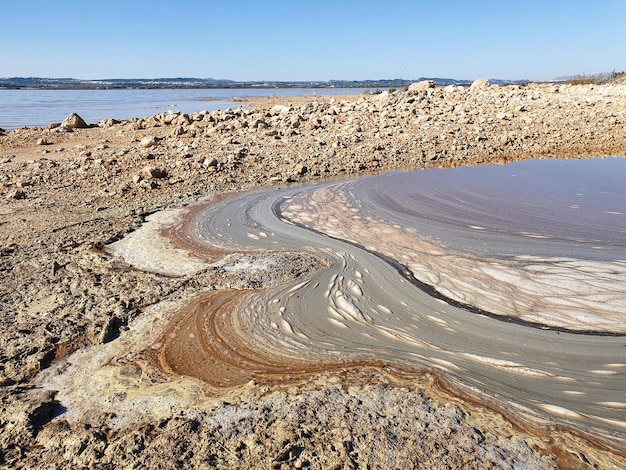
point(506, 280)
point(540, 241)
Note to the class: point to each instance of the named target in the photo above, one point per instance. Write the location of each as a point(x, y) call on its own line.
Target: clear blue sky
point(311, 40)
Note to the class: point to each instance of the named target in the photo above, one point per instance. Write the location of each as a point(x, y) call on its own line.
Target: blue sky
point(311, 40)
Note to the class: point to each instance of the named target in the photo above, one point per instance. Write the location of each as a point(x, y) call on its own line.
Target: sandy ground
point(77, 387)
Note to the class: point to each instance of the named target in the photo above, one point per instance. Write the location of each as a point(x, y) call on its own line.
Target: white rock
point(149, 141)
point(421, 86)
point(280, 109)
point(480, 84)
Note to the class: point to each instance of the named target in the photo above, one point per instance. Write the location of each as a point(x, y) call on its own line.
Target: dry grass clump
point(598, 79)
point(617, 77)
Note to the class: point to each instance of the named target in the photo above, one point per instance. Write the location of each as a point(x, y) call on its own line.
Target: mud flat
point(122, 347)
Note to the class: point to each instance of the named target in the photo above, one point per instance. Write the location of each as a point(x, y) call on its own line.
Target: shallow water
point(38, 108)
point(540, 207)
point(506, 280)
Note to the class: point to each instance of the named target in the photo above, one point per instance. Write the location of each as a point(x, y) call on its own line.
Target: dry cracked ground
point(68, 191)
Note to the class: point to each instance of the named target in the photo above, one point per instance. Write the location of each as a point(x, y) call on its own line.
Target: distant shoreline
point(41, 107)
point(38, 83)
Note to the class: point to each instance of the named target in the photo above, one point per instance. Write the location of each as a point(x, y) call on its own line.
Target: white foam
point(603, 372)
point(286, 326)
point(612, 404)
point(337, 323)
point(509, 365)
point(560, 411)
point(147, 250)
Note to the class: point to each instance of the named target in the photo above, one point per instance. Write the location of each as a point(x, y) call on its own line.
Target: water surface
point(508, 281)
point(38, 108)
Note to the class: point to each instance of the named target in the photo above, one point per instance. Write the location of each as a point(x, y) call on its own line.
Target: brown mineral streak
point(179, 236)
point(201, 341)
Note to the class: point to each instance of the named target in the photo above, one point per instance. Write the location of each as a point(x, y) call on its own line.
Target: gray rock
point(74, 121)
point(16, 194)
point(178, 130)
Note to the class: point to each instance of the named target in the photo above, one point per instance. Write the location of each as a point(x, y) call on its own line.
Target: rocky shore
point(70, 189)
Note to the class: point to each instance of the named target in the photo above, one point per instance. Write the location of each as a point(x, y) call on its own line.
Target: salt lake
point(39, 108)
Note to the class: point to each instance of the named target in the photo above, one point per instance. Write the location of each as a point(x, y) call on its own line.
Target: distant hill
point(156, 83)
point(111, 83)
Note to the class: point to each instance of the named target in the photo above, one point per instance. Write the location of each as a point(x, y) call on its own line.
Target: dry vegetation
point(598, 79)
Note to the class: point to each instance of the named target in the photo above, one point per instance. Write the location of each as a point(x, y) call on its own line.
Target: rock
point(169, 117)
point(55, 268)
point(260, 124)
point(74, 121)
point(178, 130)
point(280, 109)
point(109, 122)
point(182, 120)
point(480, 84)
point(149, 141)
point(43, 141)
point(382, 96)
point(452, 89)
point(301, 170)
point(16, 194)
point(150, 172)
point(421, 86)
point(147, 184)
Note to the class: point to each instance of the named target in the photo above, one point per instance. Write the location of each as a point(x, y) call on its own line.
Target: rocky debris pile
point(298, 140)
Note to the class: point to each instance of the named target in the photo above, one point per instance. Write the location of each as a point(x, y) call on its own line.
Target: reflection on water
point(541, 207)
